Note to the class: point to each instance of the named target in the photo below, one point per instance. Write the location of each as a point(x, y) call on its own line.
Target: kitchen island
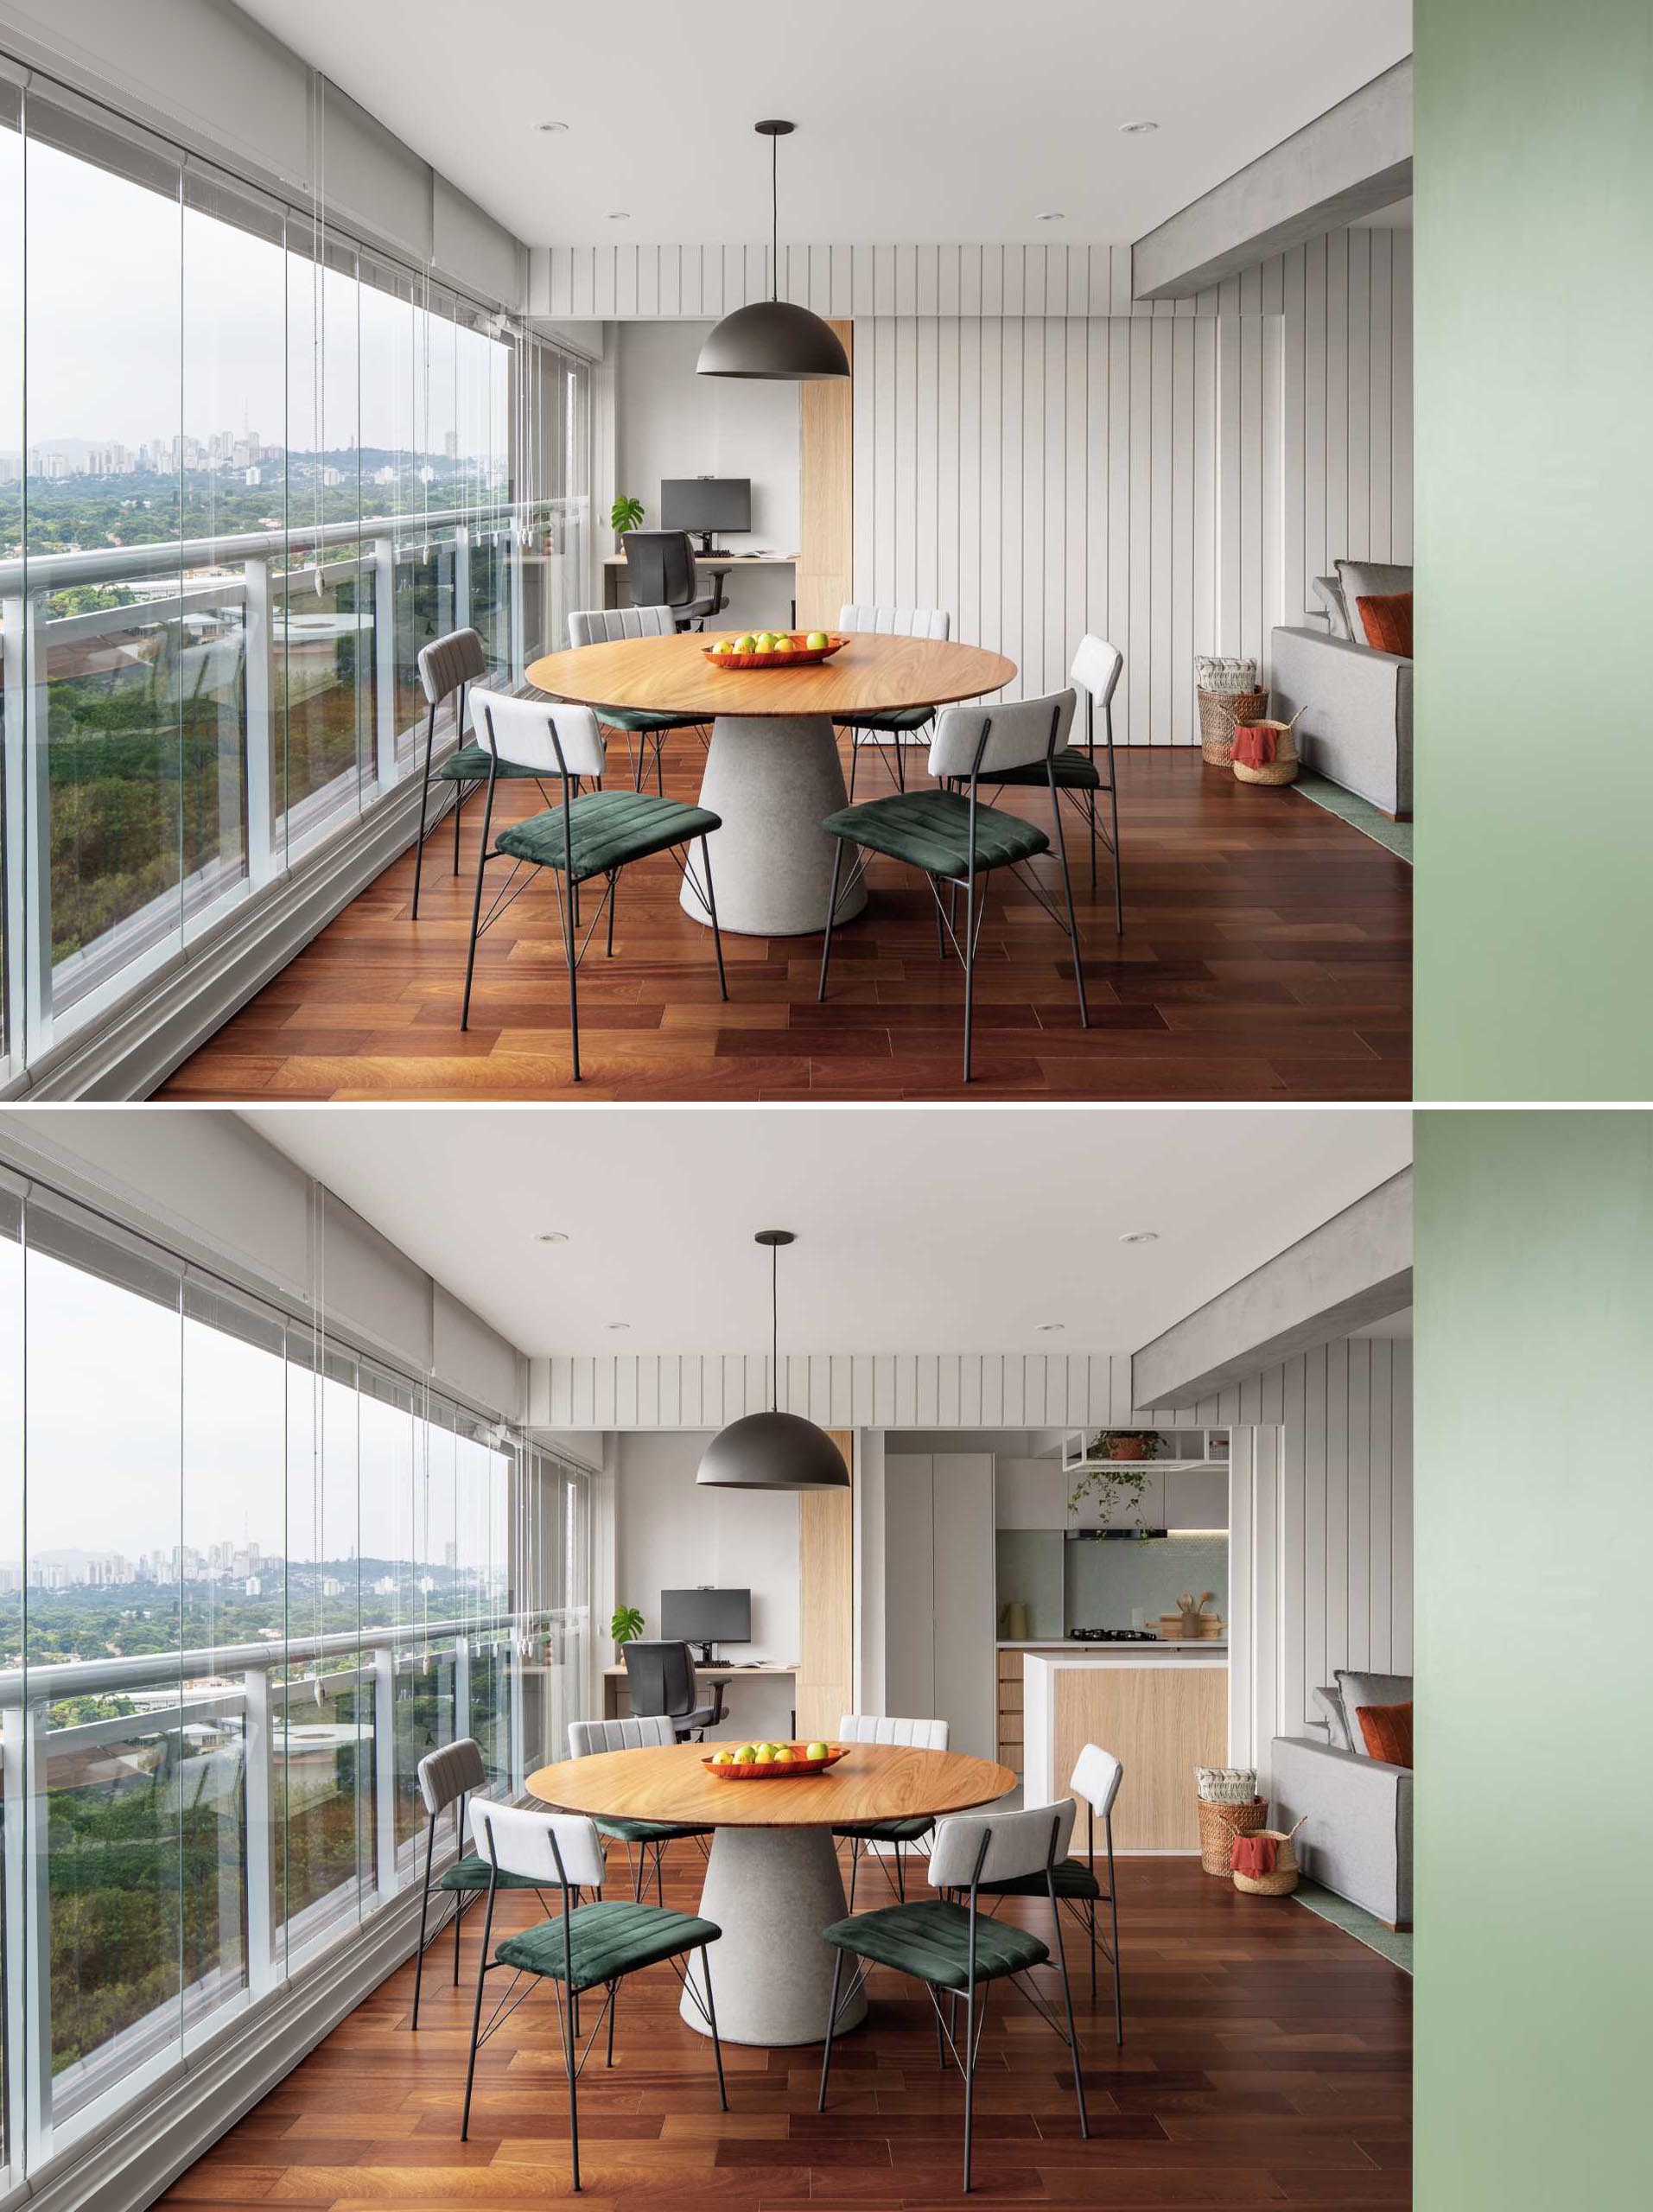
point(1161, 1708)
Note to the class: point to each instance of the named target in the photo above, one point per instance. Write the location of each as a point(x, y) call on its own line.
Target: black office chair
point(661, 1679)
point(660, 566)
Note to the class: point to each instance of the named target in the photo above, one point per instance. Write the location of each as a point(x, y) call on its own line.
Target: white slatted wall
point(1039, 454)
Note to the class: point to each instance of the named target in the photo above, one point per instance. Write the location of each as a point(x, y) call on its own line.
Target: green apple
point(745, 1756)
point(765, 1756)
point(746, 643)
point(818, 1751)
point(818, 640)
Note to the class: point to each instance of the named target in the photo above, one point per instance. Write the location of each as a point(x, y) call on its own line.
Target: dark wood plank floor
point(1266, 2063)
point(1266, 955)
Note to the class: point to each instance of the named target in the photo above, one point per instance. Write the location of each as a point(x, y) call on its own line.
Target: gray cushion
point(1369, 1689)
point(1329, 591)
point(1337, 1720)
point(1369, 579)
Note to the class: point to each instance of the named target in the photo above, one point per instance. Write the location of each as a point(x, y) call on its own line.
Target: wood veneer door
point(1159, 1722)
point(826, 494)
point(826, 1602)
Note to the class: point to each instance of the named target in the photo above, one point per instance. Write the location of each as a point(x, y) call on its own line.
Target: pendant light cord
point(774, 218)
point(774, 1328)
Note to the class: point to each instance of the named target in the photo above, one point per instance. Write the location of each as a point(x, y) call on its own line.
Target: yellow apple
point(721, 646)
point(746, 643)
point(784, 1751)
point(722, 1758)
point(745, 1756)
point(818, 640)
point(765, 1757)
point(818, 1751)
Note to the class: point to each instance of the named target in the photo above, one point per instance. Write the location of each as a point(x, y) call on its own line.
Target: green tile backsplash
point(1105, 1582)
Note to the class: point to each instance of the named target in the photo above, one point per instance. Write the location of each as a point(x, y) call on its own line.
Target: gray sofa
point(1357, 1837)
point(1357, 702)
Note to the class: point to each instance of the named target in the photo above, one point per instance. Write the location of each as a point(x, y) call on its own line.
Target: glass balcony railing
point(184, 722)
point(201, 1825)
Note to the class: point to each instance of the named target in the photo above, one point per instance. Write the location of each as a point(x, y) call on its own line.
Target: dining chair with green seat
point(603, 626)
point(449, 667)
point(952, 835)
point(955, 1949)
point(449, 1776)
point(897, 728)
point(593, 833)
point(634, 1732)
point(1095, 671)
point(584, 1947)
point(900, 1835)
point(1097, 1777)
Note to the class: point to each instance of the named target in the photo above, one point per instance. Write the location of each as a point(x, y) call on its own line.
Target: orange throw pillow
point(1387, 1732)
point(1388, 623)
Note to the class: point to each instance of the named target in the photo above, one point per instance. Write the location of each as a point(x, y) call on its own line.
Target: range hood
point(1113, 1535)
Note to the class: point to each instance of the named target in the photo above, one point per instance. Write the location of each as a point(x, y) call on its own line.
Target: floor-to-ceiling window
point(247, 469)
point(248, 1578)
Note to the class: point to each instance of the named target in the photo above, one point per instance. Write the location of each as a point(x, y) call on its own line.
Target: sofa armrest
point(1357, 712)
point(1357, 1837)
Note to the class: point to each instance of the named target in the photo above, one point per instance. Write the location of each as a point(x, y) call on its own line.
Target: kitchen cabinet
point(1195, 1498)
point(1031, 1493)
point(939, 1596)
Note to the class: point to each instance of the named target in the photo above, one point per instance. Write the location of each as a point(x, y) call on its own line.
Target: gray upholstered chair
point(637, 1733)
point(952, 835)
point(660, 567)
point(594, 833)
point(1097, 1777)
point(957, 1948)
point(881, 1728)
point(1096, 672)
point(449, 666)
point(902, 726)
point(449, 1777)
point(585, 1946)
point(604, 626)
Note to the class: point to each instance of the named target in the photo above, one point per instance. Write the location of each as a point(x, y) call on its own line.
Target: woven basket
point(1219, 1825)
point(1283, 1880)
point(1282, 769)
point(1218, 712)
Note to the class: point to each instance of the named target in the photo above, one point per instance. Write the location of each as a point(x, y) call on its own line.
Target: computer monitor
point(706, 1617)
point(705, 505)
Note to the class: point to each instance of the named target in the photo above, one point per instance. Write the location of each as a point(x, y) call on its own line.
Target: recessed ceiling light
point(1135, 130)
point(1141, 1236)
point(552, 1236)
point(618, 1324)
point(1050, 215)
point(1052, 1328)
point(619, 215)
point(551, 126)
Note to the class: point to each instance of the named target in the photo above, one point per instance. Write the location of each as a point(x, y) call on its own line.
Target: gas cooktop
point(1112, 1636)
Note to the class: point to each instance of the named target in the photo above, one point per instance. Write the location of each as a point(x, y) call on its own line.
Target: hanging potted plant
point(1118, 1478)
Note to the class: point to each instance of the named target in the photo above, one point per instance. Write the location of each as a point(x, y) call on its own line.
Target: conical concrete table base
point(773, 779)
point(771, 1890)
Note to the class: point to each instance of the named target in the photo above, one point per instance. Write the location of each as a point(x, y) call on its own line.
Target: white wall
point(669, 1534)
point(668, 421)
point(1039, 454)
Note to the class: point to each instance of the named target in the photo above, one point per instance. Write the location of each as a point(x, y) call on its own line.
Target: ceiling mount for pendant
point(773, 1451)
point(773, 338)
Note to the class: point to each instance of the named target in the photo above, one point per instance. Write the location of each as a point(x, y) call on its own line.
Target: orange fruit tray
point(775, 1769)
point(797, 655)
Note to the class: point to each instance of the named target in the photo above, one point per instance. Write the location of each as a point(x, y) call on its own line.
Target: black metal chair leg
point(832, 908)
point(1092, 1915)
point(1067, 2000)
point(424, 801)
point(637, 1875)
point(712, 906)
point(832, 2016)
point(1067, 885)
point(1113, 1916)
point(461, 792)
point(659, 1874)
point(613, 900)
point(424, 1909)
point(941, 2038)
point(570, 2037)
point(970, 2075)
point(1091, 809)
point(711, 2016)
point(476, 2014)
point(659, 765)
point(854, 1868)
point(613, 2007)
point(476, 912)
point(855, 760)
point(900, 763)
point(1113, 804)
point(970, 992)
point(901, 1875)
point(569, 919)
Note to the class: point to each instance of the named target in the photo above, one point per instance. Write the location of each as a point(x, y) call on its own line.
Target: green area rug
point(1359, 813)
point(1356, 1921)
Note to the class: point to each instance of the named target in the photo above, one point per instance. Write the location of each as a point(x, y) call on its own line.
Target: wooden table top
point(873, 674)
point(873, 1781)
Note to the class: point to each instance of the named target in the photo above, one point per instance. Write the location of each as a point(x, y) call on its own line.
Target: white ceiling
point(918, 120)
point(920, 1229)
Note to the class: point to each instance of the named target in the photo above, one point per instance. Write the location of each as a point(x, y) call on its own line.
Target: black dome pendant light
point(772, 338)
point(773, 1451)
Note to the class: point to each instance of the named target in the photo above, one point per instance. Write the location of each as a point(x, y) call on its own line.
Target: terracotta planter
point(1131, 1449)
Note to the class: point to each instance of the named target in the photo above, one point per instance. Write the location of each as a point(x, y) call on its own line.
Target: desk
point(717, 565)
point(616, 1700)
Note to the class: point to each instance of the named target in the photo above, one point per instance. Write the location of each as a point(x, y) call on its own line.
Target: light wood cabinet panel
point(1159, 1722)
point(826, 1602)
point(826, 423)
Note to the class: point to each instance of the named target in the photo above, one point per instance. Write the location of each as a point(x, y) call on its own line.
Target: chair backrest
point(450, 1773)
point(587, 1736)
point(518, 1840)
point(661, 565)
point(1016, 1844)
point(529, 732)
point(1019, 733)
point(605, 625)
point(1097, 1777)
point(1096, 668)
point(880, 1728)
point(446, 663)
point(898, 621)
point(661, 1677)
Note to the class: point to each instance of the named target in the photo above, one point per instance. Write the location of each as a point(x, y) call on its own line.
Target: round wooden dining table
point(772, 1881)
point(773, 773)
